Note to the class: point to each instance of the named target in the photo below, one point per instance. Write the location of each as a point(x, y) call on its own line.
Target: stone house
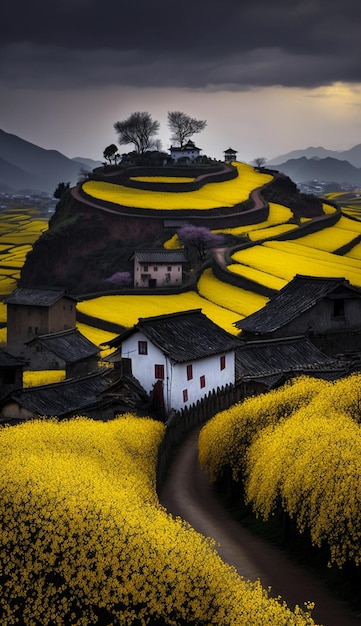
point(326, 310)
point(65, 350)
point(32, 312)
point(158, 268)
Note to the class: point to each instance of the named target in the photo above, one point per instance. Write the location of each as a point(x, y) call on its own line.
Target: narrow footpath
point(188, 494)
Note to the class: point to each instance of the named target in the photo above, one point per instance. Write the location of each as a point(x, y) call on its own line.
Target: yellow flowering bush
point(210, 196)
point(85, 541)
point(312, 464)
point(224, 440)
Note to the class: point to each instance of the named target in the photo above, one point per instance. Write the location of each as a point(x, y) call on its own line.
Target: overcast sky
point(268, 76)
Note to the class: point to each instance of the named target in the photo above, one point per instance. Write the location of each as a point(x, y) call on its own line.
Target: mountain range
point(27, 168)
point(341, 166)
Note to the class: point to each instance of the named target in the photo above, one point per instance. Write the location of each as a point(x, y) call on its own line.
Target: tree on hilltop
point(183, 126)
point(61, 189)
point(138, 129)
point(111, 154)
point(260, 162)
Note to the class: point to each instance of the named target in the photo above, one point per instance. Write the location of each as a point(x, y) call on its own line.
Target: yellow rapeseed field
point(83, 536)
point(210, 196)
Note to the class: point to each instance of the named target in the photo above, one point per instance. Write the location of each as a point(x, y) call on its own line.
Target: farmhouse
point(188, 152)
point(265, 364)
point(158, 268)
point(32, 312)
point(65, 350)
point(327, 310)
point(179, 358)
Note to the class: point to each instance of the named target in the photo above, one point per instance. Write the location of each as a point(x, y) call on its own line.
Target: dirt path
point(187, 493)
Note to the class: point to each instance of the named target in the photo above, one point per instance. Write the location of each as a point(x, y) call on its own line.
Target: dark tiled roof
point(62, 398)
point(299, 295)
point(8, 360)
point(69, 345)
point(160, 256)
point(274, 357)
point(36, 297)
point(183, 336)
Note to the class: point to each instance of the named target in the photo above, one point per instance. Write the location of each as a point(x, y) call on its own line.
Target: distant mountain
point(328, 169)
point(353, 155)
point(27, 167)
point(91, 164)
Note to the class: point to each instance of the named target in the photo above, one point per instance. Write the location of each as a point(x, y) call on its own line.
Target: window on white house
point(155, 268)
point(142, 347)
point(222, 362)
point(202, 381)
point(185, 395)
point(169, 268)
point(145, 268)
point(159, 371)
point(189, 372)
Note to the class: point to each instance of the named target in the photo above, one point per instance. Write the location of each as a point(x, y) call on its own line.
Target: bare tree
point(183, 126)
point(260, 162)
point(138, 129)
point(199, 238)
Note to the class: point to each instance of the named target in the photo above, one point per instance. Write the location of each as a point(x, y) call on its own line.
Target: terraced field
point(277, 248)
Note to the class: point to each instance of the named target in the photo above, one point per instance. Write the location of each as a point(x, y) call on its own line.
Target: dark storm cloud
point(197, 43)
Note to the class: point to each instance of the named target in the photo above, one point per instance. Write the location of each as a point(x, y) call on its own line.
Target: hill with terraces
point(99, 222)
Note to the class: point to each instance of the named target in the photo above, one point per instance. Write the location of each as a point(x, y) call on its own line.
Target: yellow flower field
point(210, 196)
point(33, 378)
point(286, 265)
point(334, 237)
point(126, 310)
point(259, 276)
point(83, 536)
point(18, 231)
point(240, 301)
point(297, 248)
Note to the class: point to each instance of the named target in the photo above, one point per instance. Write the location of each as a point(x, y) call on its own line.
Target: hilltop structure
point(188, 152)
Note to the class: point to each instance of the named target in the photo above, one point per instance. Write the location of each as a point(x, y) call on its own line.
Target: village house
point(188, 152)
point(326, 310)
point(65, 350)
point(179, 358)
point(158, 268)
point(100, 395)
point(268, 363)
point(32, 312)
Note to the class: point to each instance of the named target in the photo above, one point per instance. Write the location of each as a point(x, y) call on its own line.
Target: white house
point(182, 356)
point(158, 268)
point(188, 151)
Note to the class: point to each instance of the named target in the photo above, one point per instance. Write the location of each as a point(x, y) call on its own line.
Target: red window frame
point(185, 395)
point(142, 347)
point(189, 371)
point(159, 371)
point(202, 381)
point(222, 362)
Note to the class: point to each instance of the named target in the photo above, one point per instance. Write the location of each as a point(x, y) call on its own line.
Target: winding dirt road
point(187, 493)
